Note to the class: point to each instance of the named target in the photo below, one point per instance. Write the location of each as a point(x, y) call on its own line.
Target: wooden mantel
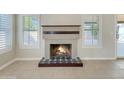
point(60, 25)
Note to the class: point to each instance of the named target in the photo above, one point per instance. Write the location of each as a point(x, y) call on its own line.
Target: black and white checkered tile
point(60, 60)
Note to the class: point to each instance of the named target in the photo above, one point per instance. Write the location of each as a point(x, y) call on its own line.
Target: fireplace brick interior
point(60, 50)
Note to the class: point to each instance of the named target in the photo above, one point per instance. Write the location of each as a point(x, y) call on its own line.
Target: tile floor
point(92, 70)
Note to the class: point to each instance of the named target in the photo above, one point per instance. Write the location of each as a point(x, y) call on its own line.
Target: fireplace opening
point(60, 50)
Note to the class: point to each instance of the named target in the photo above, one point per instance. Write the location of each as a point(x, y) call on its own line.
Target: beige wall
point(120, 17)
point(108, 41)
point(106, 51)
point(68, 19)
point(4, 58)
point(27, 53)
point(108, 34)
point(60, 19)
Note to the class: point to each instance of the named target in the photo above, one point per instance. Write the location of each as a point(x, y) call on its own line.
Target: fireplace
point(60, 50)
point(50, 44)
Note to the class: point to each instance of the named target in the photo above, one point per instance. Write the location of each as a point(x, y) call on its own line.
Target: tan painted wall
point(108, 49)
point(120, 17)
point(60, 19)
point(27, 53)
point(108, 37)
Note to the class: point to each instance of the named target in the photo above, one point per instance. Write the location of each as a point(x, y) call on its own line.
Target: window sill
point(5, 51)
point(91, 47)
point(29, 48)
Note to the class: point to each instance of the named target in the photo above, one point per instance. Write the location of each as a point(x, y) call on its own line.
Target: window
point(30, 31)
point(120, 39)
point(120, 32)
point(5, 32)
point(91, 31)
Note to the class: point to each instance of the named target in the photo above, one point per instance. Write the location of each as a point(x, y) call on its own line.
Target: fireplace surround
point(66, 35)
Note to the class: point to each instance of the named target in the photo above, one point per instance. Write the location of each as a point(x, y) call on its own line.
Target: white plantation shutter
point(30, 31)
point(92, 31)
point(5, 41)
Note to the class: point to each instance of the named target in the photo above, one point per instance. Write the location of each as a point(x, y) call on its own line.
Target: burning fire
point(61, 50)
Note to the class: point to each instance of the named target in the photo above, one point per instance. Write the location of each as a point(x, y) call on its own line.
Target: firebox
point(60, 50)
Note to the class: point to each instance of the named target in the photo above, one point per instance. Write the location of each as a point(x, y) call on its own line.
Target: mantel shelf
point(60, 25)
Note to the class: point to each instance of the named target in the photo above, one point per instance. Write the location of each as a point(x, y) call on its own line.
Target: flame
point(61, 49)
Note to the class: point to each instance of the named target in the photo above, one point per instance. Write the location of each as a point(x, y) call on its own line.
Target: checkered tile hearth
point(60, 62)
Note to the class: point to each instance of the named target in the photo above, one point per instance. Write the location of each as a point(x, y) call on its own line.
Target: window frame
point(21, 31)
point(84, 18)
point(11, 35)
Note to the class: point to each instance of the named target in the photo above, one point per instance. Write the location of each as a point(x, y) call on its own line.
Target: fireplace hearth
point(59, 50)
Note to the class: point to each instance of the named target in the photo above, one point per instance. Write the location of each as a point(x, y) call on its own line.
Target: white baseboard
point(17, 59)
point(26, 59)
point(120, 57)
point(7, 64)
point(114, 58)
